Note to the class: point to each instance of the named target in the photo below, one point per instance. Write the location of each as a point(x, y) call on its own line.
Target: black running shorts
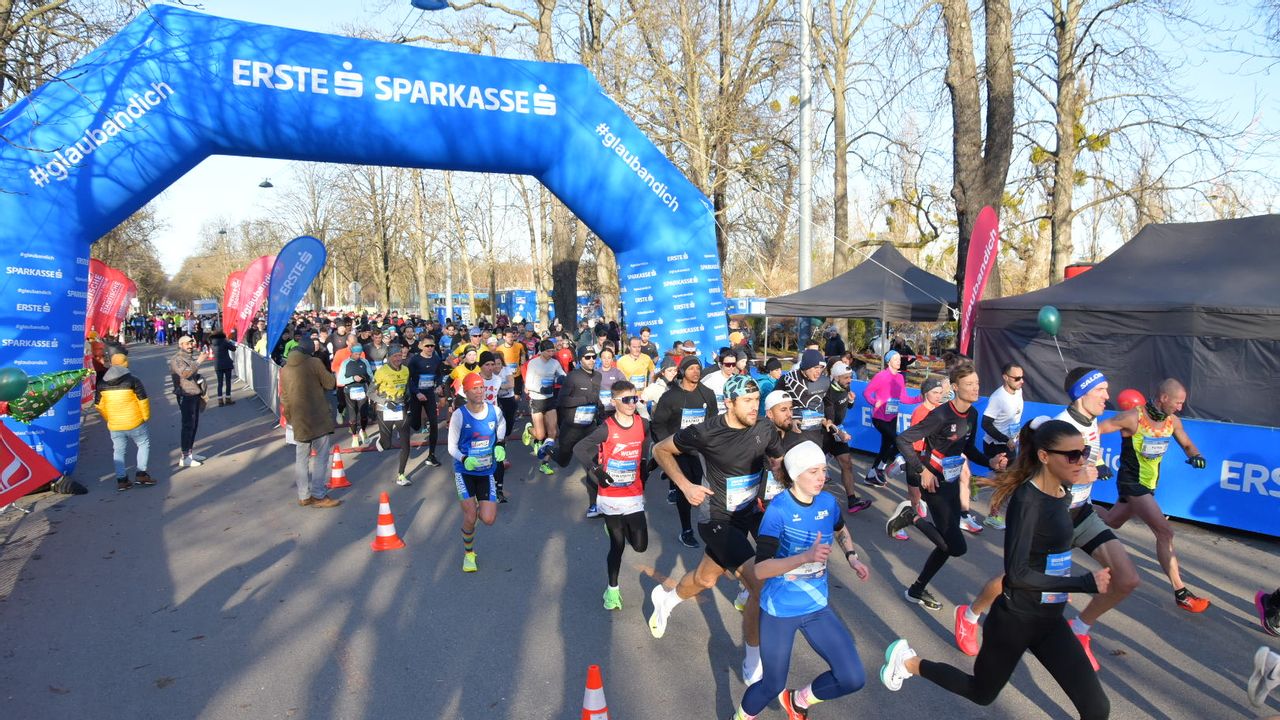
point(729, 542)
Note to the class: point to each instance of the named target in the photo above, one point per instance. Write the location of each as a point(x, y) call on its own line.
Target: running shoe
point(995, 522)
point(687, 539)
point(526, 437)
point(1191, 603)
point(198, 458)
point(1265, 676)
point(377, 444)
point(1260, 602)
point(787, 699)
point(402, 480)
point(857, 505)
point(922, 510)
point(546, 469)
point(469, 562)
point(872, 480)
point(1087, 643)
point(661, 611)
point(925, 598)
point(502, 497)
point(673, 496)
point(901, 518)
point(969, 525)
point(900, 535)
point(966, 633)
point(740, 602)
point(144, 479)
point(752, 672)
point(432, 461)
point(123, 484)
point(593, 511)
point(612, 599)
point(894, 670)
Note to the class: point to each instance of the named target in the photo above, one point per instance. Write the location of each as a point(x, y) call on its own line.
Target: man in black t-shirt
point(734, 448)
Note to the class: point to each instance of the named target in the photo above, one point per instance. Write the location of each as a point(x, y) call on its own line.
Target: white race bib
point(392, 412)
point(426, 382)
point(1056, 565)
point(891, 406)
point(692, 416)
point(356, 392)
point(807, 571)
point(621, 472)
point(584, 414)
point(1153, 448)
point(810, 419)
point(740, 490)
point(951, 467)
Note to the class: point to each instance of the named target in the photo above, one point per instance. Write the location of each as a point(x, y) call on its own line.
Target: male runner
point(579, 410)
point(686, 402)
point(514, 354)
point(427, 370)
point(491, 371)
point(391, 388)
point(474, 431)
point(1145, 433)
point(635, 365)
point(1001, 422)
point(541, 377)
point(734, 448)
point(716, 379)
point(1087, 389)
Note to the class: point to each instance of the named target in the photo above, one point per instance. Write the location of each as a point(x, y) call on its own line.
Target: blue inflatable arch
point(175, 86)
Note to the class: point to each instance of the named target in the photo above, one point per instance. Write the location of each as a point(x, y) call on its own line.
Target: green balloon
point(13, 383)
point(1050, 320)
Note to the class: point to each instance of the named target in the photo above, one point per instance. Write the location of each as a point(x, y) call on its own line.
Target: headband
point(1091, 380)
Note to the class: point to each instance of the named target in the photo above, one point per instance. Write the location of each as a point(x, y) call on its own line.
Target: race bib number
point(377, 364)
point(584, 414)
point(720, 403)
point(513, 367)
point(891, 406)
point(548, 386)
point(807, 571)
point(1056, 565)
point(810, 419)
point(425, 382)
point(356, 392)
point(1153, 448)
point(772, 487)
point(482, 453)
point(606, 397)
point(740, 490)
point(951, 467)
point(692, 416)
point(621, 472)
point(638, 381)
point(1080, 494)
point(392, 412)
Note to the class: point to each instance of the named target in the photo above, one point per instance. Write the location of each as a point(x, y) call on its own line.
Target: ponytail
point(1039, 433)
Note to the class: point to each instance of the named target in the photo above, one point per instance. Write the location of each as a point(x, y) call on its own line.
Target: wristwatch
point(850, 554)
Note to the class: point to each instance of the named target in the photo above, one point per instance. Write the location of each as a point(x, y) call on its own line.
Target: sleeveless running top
point(478, 437)
point(620, 457)
point(1141, 454)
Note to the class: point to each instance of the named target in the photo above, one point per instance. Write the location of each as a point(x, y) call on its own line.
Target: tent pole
point(766, 338)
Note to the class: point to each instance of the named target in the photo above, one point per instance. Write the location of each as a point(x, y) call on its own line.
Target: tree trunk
point(564, 266)
point(721, 132)
point(1061, 214)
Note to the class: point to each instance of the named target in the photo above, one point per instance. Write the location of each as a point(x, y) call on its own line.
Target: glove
point(500, 453)
point(1197, 462)
point(471, 463)
point(1104, 472)
point(601, 477)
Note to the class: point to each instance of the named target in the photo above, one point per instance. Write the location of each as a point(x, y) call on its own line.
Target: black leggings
point(691, 466)
point(508, 406)
point(888, 430)
point(630, 529)
point(416, 410)
point(1006, 637)
point(224, 376)
point(357, 414)
point(396, 432)
point(942, 528)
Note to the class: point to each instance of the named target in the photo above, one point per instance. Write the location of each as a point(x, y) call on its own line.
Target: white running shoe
point(198, 458)
point(751, 671)
point(1265, 677)
point(661, 611)
point(894, 670)
point(740, 602)
point(968, 524)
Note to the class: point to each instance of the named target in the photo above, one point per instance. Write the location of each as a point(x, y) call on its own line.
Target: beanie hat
point(686, 362)
point(120, 359)
point(772, 364)
point(487, 357)
point(802, 457)
point(357, 349)
point(931, 382)
point(811, 358)
point(472, 380)
point(739, 385)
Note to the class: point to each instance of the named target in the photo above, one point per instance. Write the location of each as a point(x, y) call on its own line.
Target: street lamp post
point(806, 150)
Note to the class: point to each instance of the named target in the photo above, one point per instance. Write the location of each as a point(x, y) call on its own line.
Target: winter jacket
point(121, 399)
point(184, 368)
point(304, 380)
point(221, 349)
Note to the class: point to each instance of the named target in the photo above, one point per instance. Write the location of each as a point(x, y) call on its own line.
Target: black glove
point(601, 477)
point(1197, 462)
point(1104, 472)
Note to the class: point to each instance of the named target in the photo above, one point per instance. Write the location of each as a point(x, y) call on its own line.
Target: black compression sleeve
point(989, 426)
point(766, 548)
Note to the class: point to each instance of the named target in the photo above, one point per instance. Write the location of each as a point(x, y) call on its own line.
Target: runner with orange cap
point(474, 432)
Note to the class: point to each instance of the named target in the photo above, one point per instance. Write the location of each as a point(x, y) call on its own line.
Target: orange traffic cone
point(338, 473)
point(593, 704)
point(386, 539)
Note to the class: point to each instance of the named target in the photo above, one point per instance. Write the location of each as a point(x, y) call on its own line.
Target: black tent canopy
point(1192, 301)
point(886, 286)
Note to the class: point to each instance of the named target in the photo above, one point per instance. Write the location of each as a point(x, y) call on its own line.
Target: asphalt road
point(213, 595)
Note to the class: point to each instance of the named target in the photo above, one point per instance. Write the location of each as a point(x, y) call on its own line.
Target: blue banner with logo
point(1239, 489)
point(297, 264)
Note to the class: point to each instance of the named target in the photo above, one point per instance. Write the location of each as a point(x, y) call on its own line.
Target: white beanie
point(802, 457)
point(775, 397)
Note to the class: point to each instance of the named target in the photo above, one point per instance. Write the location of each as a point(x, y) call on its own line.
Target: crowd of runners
point(745, 453)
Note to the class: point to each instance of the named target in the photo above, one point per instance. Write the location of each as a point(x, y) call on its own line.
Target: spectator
point(834, 346)
point(189, 389)
point(122, 400)
point(221, 348)
point(304, 384)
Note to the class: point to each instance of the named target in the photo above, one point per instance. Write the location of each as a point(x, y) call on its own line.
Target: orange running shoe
point(1088, 651)
point(1191, 603)
point(966, 633)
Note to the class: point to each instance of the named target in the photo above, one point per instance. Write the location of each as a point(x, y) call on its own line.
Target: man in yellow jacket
point(123, 402)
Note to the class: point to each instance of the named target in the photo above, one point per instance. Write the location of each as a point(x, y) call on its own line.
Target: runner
point(812, 415)
point(791, 560)
point(514, 354)
point(636, 365)
point(654, 391)
point(1087, 389)
point(474, 431)
point(835, 404)
point(426, 374)
point(932, 390)
point(949, 433)
point(391, 386)
point(492, 372)
point(715, 380)
point(1268, 605)
point(686, 402)
point(1000, 423)
point(541, 378)
point(508, 404)
point(609, 374)
point(1037, 561)
point(886, 392)
point(354, 377)
point(615, 454)
point(1145, 433)
point(733, 447)
point(579, 407)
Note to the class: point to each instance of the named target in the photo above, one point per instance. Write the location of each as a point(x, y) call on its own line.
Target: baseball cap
point(840, 368)
point(739, 385)
point(774, 398)
point(472, 380)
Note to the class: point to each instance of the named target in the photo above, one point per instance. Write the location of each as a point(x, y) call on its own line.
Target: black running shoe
point(502, 497)
point(901, 518)
point(925, 598)
point(432, 461)
point(686, 539)
point(672, 495)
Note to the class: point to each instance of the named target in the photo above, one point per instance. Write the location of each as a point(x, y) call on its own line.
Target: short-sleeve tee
point(796, 526)
point(734, 459)
point(637, 371)
point(1005, 410)
point(540, 378)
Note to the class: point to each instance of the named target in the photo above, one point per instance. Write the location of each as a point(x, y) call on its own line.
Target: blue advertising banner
point(1239, 489)
point(297, 264)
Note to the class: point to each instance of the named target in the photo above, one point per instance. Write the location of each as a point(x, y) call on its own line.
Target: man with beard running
point(734, 449)
point(579, 414)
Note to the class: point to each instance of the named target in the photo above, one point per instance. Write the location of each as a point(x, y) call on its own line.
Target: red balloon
point(1130, 399)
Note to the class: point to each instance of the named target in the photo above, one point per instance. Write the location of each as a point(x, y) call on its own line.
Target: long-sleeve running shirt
point(1037, 553)
point(948, 439)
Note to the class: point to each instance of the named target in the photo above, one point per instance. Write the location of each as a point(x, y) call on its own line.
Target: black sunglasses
point(1015, 379)
point(1075, 457)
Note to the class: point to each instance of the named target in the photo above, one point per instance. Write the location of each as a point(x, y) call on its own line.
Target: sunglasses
point(588, 357)
point(1075, 457)
point(729, 363)
point(1015, 378)
point(628, 400)
point(426, 345)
